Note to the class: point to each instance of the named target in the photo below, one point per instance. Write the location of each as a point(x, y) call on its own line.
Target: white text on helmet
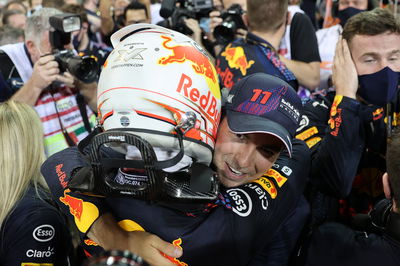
point(207, 102)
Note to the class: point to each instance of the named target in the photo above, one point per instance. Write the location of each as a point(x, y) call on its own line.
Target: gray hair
point(38, 23)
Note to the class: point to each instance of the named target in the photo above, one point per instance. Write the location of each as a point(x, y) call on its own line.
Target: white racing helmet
point(159, 103)
point(156, 79)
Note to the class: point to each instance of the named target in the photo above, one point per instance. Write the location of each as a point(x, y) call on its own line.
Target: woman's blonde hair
point(22, 153)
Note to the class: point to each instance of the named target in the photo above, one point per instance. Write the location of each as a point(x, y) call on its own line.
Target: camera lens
point(84, 68)
point(225, 32)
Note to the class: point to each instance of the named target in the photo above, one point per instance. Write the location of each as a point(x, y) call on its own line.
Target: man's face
point(119, 6)
point(373, 53)
point(242, 158)
point(43, 48)
point(229, 3)
point(359, 4)
point(134, 16)
point(17, 21)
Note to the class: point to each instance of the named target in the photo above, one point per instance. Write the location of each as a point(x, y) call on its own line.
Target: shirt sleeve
point(304, 43)
point(81, 208)
point(36, 237)
point(333, 133)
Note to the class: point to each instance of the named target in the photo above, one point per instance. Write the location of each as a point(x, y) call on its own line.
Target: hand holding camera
point(83, 68)
point(45, 71)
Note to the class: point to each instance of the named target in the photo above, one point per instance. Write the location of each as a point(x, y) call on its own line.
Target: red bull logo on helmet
point(208, 102)
point(201, 63)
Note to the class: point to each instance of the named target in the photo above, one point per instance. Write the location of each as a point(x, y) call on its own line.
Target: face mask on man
point(379, 88)
point(347, 13)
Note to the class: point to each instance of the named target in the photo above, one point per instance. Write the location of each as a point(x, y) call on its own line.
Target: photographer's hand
point(45, 71)
point(215, 20)
point(195, 27)
point(66, 78)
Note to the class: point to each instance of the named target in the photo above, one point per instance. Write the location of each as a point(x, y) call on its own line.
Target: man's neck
point(274, 38)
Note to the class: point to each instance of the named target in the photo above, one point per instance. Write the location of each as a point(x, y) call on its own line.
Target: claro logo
point(44, 233)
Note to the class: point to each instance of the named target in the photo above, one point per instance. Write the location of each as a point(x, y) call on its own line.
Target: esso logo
point(242, 204)
point(44, 233)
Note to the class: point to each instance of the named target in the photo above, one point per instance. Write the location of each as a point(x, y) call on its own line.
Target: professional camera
point(84, 68)
point(232, 21)
point(175, 16)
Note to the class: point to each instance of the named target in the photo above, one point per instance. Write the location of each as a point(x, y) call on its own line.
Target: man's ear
point(30, 45)
point(386, 186)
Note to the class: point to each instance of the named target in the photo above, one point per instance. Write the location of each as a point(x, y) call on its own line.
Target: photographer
point(266, 22)
point(190, 17)
point(257, 52)
point(30, 74)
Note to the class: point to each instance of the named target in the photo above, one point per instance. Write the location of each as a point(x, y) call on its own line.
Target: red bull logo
point(75, 205)
point(61, 175)
point(181, 53)
point(335, 119)
point(85, 213)
point(237, 59)
point(201, 64)
point(207, 102)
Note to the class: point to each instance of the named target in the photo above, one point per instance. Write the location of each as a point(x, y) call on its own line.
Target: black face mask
point(347, 13)
point(379, 88)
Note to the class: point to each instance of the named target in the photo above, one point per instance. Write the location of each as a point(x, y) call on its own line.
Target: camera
point(232, 21)
point(83, 68)
point(175, 16)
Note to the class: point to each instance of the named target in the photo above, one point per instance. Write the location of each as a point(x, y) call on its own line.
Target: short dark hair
point(371, 23)
point(53, 3)
point(266, 15)
point(18, 2)
point(8, 13)
point(135, 5)
point(76, 9)
point(393, 164)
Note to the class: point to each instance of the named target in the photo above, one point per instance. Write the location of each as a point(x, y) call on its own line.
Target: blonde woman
point(32, 231)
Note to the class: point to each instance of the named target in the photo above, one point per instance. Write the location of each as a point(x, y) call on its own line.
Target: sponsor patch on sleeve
point(280, 179)
point(307, 133)
point(267, 186)
point(311, 142)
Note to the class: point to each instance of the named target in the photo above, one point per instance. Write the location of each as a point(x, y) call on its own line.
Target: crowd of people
point(225, 132)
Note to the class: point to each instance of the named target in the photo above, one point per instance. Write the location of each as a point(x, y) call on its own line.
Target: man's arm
point(333, 130)
point(107, 233)
point(90, 213)
point(306, 73)
point(305, 63)
point(107, 22)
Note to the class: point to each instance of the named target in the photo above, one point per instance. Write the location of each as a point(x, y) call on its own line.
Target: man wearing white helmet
point(159, 104)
